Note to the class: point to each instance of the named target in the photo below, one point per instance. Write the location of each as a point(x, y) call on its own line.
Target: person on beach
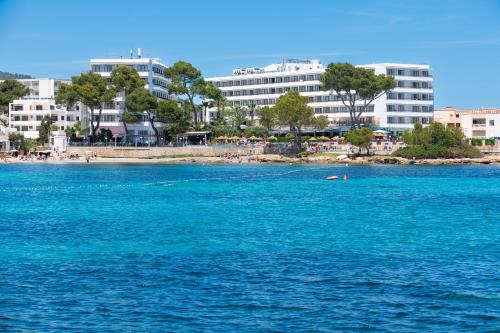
point(87, 158)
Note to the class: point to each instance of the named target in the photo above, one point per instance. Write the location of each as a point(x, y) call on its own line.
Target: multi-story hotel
point(26, 114)
point(151, 70)
point(409, 103)
point(475, 123)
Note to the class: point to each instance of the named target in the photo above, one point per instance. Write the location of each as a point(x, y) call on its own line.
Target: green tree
point(186, 80)
point(257, 131)
point(105, 134)
point(125, 80)
point(292, 110)
point(252, 109)
point(44, 130)
point(141, 100)
point(436, 141)
point(216, 98)
point(10, 90)
point(19, 142)
point(320, 123)
point(360, 137)
point(267, 117)
point(353, 84)
point(236, 117)
point(176, 117)
point(92, 91)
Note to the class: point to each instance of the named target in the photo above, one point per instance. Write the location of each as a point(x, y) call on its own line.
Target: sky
point(459, 39)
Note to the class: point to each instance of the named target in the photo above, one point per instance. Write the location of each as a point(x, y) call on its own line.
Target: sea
point(249, 248)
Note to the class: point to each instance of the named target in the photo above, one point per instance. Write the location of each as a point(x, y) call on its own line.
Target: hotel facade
point(411, 102)
point(151, 71)
point(475, 123)
point(26, 114)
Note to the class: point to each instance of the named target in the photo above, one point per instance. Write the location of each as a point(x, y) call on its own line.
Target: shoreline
point(267, 159)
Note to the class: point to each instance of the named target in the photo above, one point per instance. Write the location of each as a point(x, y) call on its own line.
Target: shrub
point(476, 142)
point(257, 131)
point(471, 152)
point(490, 142)
point(289, 138)
point(421, 152)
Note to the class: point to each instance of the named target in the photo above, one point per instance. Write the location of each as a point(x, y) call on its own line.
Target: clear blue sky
point(459, 39)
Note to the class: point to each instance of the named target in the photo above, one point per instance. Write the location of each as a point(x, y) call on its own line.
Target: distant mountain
point(7, 75)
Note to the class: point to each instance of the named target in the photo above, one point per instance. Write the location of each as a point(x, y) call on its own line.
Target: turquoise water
point(249, 248)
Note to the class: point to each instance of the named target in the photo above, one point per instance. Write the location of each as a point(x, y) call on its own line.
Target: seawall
point(158, 152)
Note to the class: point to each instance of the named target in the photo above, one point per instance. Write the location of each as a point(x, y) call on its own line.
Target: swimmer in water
point(344, 177)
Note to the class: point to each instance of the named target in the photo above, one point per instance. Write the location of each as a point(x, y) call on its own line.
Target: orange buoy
point(332, 178)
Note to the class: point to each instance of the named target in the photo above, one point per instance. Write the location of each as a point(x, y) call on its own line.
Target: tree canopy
point(176, 117)
point(436, 141)
point(141, 100)
point(9, 91)
point(267, 117)
point(292, 110)
point(92, 91)
point(321, 122)
point(185, 79)
point(360, 137)
point(44, 130)
point(237, 117)
point(355, 84)
point(125, 80)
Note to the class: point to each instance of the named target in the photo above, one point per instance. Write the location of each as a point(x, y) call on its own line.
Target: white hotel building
point(26, 114)
point(151, 70)
point(409, 103)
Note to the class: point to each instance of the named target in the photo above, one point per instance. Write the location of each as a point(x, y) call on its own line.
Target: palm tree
point(252, 109)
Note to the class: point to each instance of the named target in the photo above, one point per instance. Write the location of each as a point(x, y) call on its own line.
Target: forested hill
point(7, 75)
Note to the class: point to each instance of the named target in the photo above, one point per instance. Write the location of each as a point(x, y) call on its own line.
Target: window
point(24, 118)
point(401, 107)
point(39, 107)
point(52, 107)
point(401, 84)
point(479, 121)
point(492, 122)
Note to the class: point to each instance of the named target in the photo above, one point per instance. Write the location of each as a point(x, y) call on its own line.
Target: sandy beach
point(259, 159)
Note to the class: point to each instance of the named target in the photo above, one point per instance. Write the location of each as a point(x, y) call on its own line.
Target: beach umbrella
point(272, 138)
point(235, 138)
point(323, 138)
point(221, 138)
point(313, 139)
point(252, 138)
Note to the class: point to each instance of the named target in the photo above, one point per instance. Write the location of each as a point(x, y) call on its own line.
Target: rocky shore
point(492, 159)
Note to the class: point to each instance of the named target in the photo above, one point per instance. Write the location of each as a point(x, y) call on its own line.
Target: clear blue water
point(249, 248)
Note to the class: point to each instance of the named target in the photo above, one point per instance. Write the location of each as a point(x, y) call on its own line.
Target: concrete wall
point(153, 152)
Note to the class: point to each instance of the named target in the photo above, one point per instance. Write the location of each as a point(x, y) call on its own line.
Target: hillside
point(7, 75)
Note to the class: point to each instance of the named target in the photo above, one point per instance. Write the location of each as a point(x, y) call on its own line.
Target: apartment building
point(151, 70)
point(409, 103)
point(475, 123)
point(26, 114)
